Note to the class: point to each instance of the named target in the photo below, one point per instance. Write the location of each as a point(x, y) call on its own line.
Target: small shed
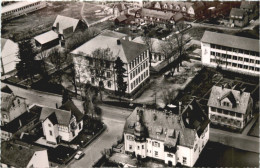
point(121, 19)
point(47, 40)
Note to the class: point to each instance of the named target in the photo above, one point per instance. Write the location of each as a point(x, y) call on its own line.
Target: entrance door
point(170, 163)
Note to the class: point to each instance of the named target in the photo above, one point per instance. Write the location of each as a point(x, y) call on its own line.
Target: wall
point(129, 142)
point(39, 159)
point(205, 57)
point(47, 129)
point(18, 109)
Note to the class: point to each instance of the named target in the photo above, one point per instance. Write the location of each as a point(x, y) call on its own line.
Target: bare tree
point(180, 42)
point(149, 42)
point(169, 96)
point(58, 59)
point(42, 55)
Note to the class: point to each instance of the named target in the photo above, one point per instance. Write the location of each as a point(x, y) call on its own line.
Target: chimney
point(180, 103)
point(222, 86)
point(118, 42)
point(57, 26)
point(20, 123)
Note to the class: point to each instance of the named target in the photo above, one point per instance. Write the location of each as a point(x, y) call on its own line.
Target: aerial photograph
point(123, 83)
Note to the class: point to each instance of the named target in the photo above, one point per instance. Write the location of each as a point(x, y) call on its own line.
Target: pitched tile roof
point(65, 22)
point(156, 43)
point(17, 155)
point(3, 41)
point(218, 93)
point(231, 41)
point(111, 33)
point(19, 122)
point(156, 14)
point(237, 13)
point(248, 4)
point(70, 106)
point(126, 50)
point(6, 89)
point(121, 18)
point(63, 117)
point(46, 37)
point(174, 129)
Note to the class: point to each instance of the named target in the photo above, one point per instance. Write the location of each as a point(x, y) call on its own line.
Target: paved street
point(113, 117)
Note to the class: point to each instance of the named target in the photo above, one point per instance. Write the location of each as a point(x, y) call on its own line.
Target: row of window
point(137, 60)
point(225, 120)
point(102, 63)
point(100, 73)
point(253, 53)
point(19, 9)
point(226, 112)
point(227, 56)
point(138, 70)
point(235, 65)
point(139, 79)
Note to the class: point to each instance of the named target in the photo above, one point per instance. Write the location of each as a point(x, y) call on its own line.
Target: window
point(156, 144)
point(50, 133)
point(184, 160)
point(49, 125)
point(108, 64)
point(169, 155)
point(195, 148)
point(245, 67)
point(108, 74)
point(92, 80)
point(213, 109)
point(79, 125)
point(212, 53)
point(156, 153)
point(138, 147)
point(240, 66)
point(251, 68)
point(238, 115)
point(142, 146)
point(213, 46)
point(234, 57)
point(234, 65)
point(90, 61)
point(219, 110)
point(246, 60)
point(240, 59)
point(226, 104)
point(257, 62)
point(257, 69)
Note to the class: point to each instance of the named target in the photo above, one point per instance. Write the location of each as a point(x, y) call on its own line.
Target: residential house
point(229, 52)
point(175, 136)
point(121, 19)
point(230, 107)
point(12, 106)
point(66, 26)
point(16, 127)
point(18, 155)
point(59, 124)
point(21, 8)
point(251, 7)
point(9, 57)
point(238, 17)
point(47, 40)
point(155, 51)
point(135, 57)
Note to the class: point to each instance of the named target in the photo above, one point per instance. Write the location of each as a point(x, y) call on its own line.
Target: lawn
point(40, 21)
point(254, 131)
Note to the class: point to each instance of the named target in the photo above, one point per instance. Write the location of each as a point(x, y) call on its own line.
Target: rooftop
point(126, 50)
point(65, 22)
point(17, 155)
point(46, 37)
point(237, 13)
point(231, 41)
point(168, 127)
point(19, 122)
point(156, 43)
point(16, 5)
point(70, 106)
point(240, 99)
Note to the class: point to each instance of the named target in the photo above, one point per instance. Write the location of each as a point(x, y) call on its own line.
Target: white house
point(135, 57)
point(18, 155)
point(173, 136)
point(59, 124)
point(12, 106)
point(234, 53)
point(230, 107)
point(9, 57)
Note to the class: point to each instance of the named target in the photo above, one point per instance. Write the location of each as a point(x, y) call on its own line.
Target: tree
point(101, 62)
point(71, 76)
point(180, 42)
point(65, 96)
point(42, 55)
point(58, 59)
point(121, 84)
point(27, 66)
point(149, 42)
point(169, 96)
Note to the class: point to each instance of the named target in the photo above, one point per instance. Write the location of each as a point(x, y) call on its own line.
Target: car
point(79, 155)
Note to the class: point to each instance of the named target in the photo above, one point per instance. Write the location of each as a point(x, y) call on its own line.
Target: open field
point(40, 21)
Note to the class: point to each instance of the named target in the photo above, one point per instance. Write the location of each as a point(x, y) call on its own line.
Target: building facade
point(234, 53)
point(99, 70)
point(21, 8)
point(12, 106)
point(60, 124)
point(164, 135)
point(229, 107)
point(238, 17)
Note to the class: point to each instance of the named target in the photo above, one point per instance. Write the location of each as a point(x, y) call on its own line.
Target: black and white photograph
point(129, 83)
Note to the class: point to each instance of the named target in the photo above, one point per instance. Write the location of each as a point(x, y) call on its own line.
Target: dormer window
point(226, 104)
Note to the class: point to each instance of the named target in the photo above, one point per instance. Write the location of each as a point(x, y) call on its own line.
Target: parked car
point(79, 155)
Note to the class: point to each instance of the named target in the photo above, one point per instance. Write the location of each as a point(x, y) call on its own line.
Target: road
point(113, 117)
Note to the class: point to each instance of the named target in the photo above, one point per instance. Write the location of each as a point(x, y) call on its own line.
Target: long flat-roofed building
point(229, 52)
point(20, 8)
